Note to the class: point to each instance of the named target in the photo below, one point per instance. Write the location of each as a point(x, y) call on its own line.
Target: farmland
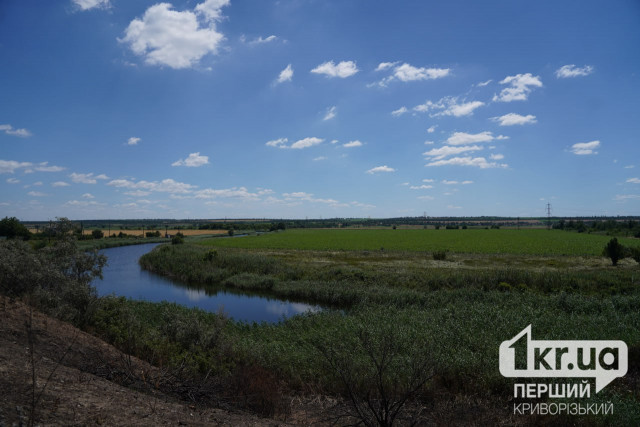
point(473, 241)
point(390, 295)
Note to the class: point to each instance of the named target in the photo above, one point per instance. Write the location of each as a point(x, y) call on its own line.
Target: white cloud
point(331, 113)
point(133, 141)
point(60, 184)
point(426, 197)
point(432, 129)
point(13, 181)
point(280, 142)
point(446, 150)
point(449, 106)
point(501, 137)
point(409, 73)
point(483, 84)
point(496, 156)
point(351, 144)
point(285, 75)
point(343, 69)
point(193, 161)
point(385, 65)
point(520, 87)
point(421, 187)
point(168, 37)
point(91, 4)
point(317, 159)
point(306, 142)
point(400, 111)
point(83, 203)
point(634, 180)
point(585, 148)
point(512, 119)
point(630, 167)
point(44, 167)
point(102, 176)
point(571, 70)
point(429, 143)
point(9, 130)
point(454, 182)
point(377, 169)
point(233, 193)
point(88, 196)
point(164, 186)
point(462, 138)
point(212, 9)
point(137, 193)
point(428, 180)
point(479, 162)
point(261, 40)
point(83, 178)
point(36, 194)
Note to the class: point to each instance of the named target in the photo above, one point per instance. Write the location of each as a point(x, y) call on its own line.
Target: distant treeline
point(627, 225)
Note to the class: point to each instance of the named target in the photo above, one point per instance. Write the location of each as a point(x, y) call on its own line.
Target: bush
point(177, 239)
point(440, 255)
point(614, 251)
point(97, 234)
point(11, 228)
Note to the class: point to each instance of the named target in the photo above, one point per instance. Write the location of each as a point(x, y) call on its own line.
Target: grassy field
point(518, 242)
point(399, 303)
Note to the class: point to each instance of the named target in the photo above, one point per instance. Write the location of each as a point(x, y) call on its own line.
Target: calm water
point(124, 277)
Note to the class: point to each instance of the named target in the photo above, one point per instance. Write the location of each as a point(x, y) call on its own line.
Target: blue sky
point(302, 108)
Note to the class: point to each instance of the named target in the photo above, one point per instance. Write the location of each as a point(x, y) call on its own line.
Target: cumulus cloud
point(479, 162)
point(634, 180)
point(164, 186)
point(400, 111)
point(9, 130)
point(343, 70)
point(421, 187)
point(10, 166)
point(496, 157)
point(299, 144)
point(512, 119)
point(331, 113)
point(432, 129)
point(306, 142)
point(567, 71)
point(462, 138)
point(133, 141)
point(60, 184)
point(86, 178)
point(88, 196)
point(585, 148)
point(13, 181)
point(351, 144)
point(36, 194)
point(519, 88)
point(409, 73)
point(448, 106)
point(280, 143)
point(194, 160)
point(454, 182)
point(91, 4)
point(379, 169)
point(234, 193)
point(285, 75)
point(446, 150)
point(164, 36)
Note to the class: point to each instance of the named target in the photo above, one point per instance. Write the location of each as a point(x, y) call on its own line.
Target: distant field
point(138, 232)
point(520, 242)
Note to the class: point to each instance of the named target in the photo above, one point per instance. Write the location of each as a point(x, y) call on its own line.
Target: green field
point(517, 242)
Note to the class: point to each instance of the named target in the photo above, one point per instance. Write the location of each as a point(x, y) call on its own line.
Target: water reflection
point(124, 277)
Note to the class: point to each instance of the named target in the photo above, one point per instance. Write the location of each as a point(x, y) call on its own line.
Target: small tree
point(97, 234)
point(12, 228)
point(614, 250)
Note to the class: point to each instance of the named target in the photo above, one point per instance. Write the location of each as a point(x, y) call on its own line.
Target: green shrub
point(440, 255)
point(614, 251)
point(177, 240)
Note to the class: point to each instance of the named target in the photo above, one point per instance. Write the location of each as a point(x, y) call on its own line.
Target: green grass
point(518, 242)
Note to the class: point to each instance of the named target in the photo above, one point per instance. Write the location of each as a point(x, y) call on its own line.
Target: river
point(123, 276)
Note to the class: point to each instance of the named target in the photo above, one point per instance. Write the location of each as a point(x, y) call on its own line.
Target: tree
point(97, 234)
point(614, 250)
point(11, 228)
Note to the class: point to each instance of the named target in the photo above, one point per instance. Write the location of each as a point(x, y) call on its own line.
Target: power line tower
point(548, 216)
